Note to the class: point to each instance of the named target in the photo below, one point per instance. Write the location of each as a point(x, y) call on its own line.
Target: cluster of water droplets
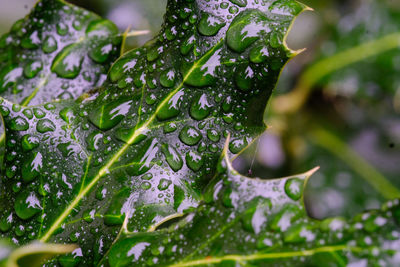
point(41, 60)
point(266, 216)
point(144, 145)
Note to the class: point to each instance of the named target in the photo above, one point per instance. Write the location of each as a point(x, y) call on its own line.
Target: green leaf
point(253, 222)
point(34, 254)
point(57, 51)
point(142, 148)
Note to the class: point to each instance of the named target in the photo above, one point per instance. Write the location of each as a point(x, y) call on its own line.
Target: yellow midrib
point(105, 169)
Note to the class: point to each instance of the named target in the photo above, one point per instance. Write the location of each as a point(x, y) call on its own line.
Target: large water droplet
point(237, 145)
point(144, 158)
point(241, 3)
point(194, 160)
point(108, 116)
point(172, 108)
point(45, 125)
point(27, 205)
point(31, 168)
point(294, 188)
point(243, 78)
point(32, 69)
point(246, 28)
point(209, 24)
point(200, 107)
point(164, 184)
point(19, 124)
point(167, 78)
point(93, 140)
point(67, 63)
point(29, 142)
point(204, 72)
point(101, 53)
point(172, 156)
point(49, 44)
point(190, 135)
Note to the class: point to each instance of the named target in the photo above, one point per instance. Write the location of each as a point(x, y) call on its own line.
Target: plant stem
point(293, 101)
point(334, 145)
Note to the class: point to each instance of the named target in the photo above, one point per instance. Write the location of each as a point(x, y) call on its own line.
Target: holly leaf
point(253, 222)
point(57, 51)
point(143, 147)
point(34, 254)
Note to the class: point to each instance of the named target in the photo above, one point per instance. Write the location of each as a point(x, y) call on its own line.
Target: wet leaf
point(253, 222)
point(57, 51)
point(142, 147)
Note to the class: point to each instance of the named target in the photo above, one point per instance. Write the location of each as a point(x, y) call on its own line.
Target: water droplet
point(294, 188)
point(152, 54)
point(38, 113)
point(172, 156)
point(190, 135)
point(237, 145)
point(45, 125)
point(188, 45)
point(67, 115)
point(101, 53)
point(32, 167)
point(101, 28)
point(19, 124)
point(67, 63)
point(28, 113)
point(93, 140)
point(49, 44)
point(258, 54)
point(32, 69)
point(200, 107)
point(8, 77)
point(203, 72)
point(246, 28)
point(164, 184)
point(108, 116)
point(126, 134)
point(172, 108)
point(144, 158)
point(299, 233)
point(241, 3)
point(122, 66)
point(170, 127)
point(194, 160)
point(210, 25)
point(244, 77)
point(62, 29)
point(6, 222)
point(146, 185)
point(213, 135)
point(27, 205)
point(167, 78)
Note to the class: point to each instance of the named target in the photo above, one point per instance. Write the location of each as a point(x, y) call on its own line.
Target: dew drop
point(45, 125)
point(190, 135)
point(32, 69)
point(172, 156)
point(27, 205)
point(67, 63)
point(294, 188)
point(210, 25)
point(194, 160)
point(49, 45)
point(19, 124)
point(200, 107)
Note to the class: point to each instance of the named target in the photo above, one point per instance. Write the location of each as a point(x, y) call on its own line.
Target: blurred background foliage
point(337, 104)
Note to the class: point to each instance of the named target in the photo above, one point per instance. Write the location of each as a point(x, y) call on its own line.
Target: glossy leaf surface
point(143, 147)
point(252, 222)
point(57, 51)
